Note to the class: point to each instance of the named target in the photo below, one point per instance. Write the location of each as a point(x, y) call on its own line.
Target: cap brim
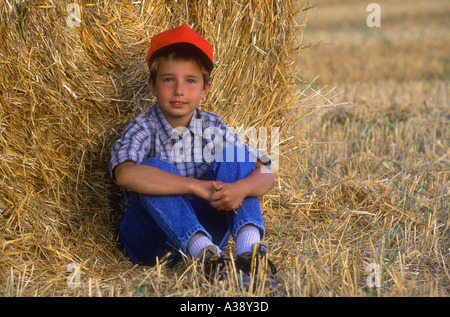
point(185, 47)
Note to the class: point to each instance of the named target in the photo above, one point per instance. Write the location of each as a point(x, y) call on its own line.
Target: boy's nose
point(178, 89)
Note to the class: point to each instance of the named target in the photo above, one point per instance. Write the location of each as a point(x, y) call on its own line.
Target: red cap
point(181, 35)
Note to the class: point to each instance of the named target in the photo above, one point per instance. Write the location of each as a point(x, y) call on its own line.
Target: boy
point(190, 183)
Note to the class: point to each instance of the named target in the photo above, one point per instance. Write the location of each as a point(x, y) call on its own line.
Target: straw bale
point(66, 94)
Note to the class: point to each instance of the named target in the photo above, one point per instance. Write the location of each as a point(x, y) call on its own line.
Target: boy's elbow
point(120, 179)
point(122, 175)
point(268, 174)
point(272, 180)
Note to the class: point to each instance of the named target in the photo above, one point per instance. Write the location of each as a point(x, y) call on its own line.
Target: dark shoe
point(215, 267)
point(256, 266)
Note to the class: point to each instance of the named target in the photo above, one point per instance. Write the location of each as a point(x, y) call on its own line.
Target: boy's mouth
point(178, 104)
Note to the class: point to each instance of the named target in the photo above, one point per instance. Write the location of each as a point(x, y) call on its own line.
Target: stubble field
point(378, 162)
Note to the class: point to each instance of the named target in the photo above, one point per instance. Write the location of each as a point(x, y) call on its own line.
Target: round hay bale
point(71, 76)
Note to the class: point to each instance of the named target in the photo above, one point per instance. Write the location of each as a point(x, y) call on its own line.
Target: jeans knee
point(235, 154)
point(231, 164)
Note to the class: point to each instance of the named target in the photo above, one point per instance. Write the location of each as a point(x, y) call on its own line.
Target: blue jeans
point(153, 226)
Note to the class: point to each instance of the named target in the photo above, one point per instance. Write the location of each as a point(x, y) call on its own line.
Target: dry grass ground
point(378, 166)
point(365, 179)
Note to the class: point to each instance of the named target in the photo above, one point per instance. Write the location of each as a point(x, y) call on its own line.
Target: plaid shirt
point(192, 151)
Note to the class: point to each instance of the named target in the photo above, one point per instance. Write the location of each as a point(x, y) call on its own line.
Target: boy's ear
point(206, 89)
point(151, 86)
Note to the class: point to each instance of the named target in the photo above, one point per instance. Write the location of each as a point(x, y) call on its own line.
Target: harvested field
point(378, 166)
point(363, 181)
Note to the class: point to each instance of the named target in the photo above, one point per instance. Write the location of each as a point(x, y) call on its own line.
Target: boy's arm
point(229, 196)
point(149, 180)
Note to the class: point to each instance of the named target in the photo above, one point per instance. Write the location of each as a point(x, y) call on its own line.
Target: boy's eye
point(167, 79)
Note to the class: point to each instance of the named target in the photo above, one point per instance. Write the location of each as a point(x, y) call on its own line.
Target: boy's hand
point(226, 196)
point(204, 190)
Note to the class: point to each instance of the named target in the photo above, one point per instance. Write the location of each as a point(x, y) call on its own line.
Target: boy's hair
point(179, 55)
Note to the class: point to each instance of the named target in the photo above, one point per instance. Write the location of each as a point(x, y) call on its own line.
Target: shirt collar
point(196, 125)
point(165, 130)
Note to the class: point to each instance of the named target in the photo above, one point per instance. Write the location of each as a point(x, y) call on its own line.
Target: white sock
point(246, 237)
point(197, 243)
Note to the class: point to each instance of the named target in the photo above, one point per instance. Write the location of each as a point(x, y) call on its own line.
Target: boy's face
point(179, 88)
